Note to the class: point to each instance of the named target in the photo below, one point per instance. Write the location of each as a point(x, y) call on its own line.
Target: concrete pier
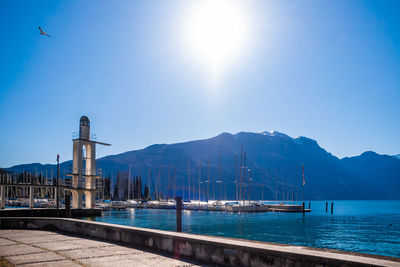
point(49, 212)
point(44, 248)
point(198, 248)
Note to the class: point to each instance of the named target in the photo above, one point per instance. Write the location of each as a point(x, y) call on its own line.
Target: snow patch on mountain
point(275, 133)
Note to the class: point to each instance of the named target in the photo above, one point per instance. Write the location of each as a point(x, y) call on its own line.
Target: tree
point(146, 192)
point(116, 188)
point(135, 188)
point(140, 192)
point(107, 187)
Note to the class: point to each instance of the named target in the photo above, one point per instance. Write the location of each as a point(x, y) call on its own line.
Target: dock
point(228, 206)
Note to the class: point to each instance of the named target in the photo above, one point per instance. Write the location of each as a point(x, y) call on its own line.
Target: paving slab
point(7, 242)
point(90, 242)
point(20, 249)
point(104, 251)
point(33, 239)
point(116, 250)
point(14, 233)
point(42, 248)
point(62, 263)
point(48, 256)
point(86, 253)
point(135, 260)
point(61, 245)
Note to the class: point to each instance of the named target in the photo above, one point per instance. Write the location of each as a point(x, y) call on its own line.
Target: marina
point(158, 205)
point(84, 186)
point(351, 226)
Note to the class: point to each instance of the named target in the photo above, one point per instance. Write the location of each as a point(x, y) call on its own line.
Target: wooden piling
point(326, 208)
point(303, 208)
point(178, 214)
point(309, 205)
point(332, 208)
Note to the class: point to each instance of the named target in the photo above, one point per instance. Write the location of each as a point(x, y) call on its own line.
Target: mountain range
point(275, 161)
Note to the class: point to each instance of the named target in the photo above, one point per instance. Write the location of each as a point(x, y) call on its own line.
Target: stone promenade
point(43, 248)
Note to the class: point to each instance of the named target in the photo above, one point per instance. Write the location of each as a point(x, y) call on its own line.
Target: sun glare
point(216, 32)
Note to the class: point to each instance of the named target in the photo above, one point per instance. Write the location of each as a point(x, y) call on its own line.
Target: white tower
point(84, 173)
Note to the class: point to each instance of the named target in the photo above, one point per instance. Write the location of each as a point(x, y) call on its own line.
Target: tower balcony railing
point(85, 172)
point(84, 183)
point(75, 135)
point(94, 172)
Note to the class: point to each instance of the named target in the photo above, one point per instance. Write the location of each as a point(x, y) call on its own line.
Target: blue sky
point(328, 70)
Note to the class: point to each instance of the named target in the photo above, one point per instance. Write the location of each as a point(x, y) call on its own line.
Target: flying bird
point(42, 32)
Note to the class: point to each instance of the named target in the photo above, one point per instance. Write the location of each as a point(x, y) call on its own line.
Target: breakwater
point(205, 249)
point(349, 227)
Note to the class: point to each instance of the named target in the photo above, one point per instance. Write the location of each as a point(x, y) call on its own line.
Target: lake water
point(359, 226)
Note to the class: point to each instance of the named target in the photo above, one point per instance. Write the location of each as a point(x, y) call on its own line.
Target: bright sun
point(216, 31)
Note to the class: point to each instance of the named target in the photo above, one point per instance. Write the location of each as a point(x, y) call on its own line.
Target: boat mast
point(159, 183)
point(240, 174)
point(283, 187)
point(262, 192)
point(208, 179)
point(189, 177)
point(168, 183)
point(129, 182)
point(199, 180)
point(244, 178)
point(220, 172)
point(236, 176)
point(174, 181)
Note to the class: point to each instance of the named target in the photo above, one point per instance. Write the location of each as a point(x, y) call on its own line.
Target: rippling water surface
point(358, 226)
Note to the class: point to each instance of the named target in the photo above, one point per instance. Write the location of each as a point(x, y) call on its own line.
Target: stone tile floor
point(44, 248)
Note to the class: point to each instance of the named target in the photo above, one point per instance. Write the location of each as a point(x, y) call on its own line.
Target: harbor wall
point(206, 249)
point(48, 212)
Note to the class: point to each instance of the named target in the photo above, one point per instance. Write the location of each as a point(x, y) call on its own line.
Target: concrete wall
point(206, 249)
point(43, 212)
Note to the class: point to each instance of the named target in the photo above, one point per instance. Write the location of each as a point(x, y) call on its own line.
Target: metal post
point(178, 214)
point(58, 181)
point(3, 196)
point(31, 199)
